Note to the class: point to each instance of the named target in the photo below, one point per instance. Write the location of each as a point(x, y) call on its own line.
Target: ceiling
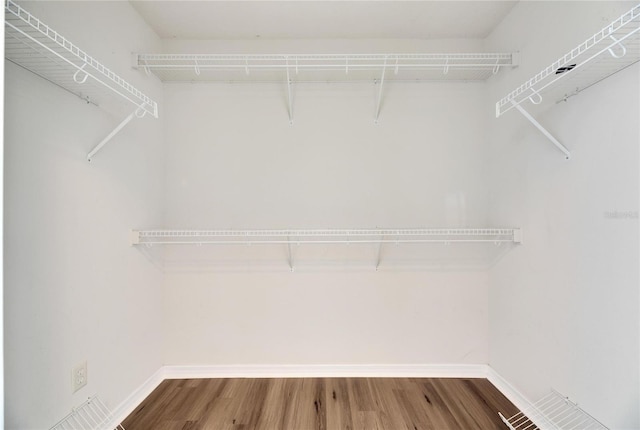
point(298, 19)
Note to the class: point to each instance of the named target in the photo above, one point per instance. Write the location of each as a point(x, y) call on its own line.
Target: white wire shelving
point(553, 412)
point(333, 236)
point(368, 247)
point(93, 414)
point(323, 67)
point(293, 69)
point(610, 50)
point(35, 46)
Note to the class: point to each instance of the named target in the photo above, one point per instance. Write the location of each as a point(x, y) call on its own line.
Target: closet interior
point(192, 202)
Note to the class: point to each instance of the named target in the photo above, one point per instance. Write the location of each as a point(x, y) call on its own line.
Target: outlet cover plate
point(79, 376)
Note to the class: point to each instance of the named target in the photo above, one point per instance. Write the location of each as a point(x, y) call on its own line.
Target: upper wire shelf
point(321, 67)
point(553, 412)
point(608, 51)
point(32, 44)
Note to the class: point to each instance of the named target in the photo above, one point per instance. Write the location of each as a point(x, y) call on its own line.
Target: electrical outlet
point(79, 376)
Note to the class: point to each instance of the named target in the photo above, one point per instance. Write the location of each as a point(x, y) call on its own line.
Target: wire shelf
point(91, 415)
point(553, 412)
point(326, 249)
point(310, 68)
point(608, 51)
point(32, 44)
point(324, 236)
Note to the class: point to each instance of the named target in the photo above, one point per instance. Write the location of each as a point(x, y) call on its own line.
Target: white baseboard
point(328, 371)
point(516, 397)
point(130, 403)
point(320, 371)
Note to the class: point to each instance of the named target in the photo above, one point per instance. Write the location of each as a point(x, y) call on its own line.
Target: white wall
point(74, 288)
point(564, 306)
point(321, 46)
point(233, 161)
point(316, 318)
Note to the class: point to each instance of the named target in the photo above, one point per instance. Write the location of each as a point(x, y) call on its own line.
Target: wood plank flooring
point(322, 404)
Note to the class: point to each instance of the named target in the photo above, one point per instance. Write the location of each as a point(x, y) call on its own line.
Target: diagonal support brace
point(115, 131)
point(543, 130)
point(379, 101)
point(289, 254)
point(379, 259)
point(289, 96)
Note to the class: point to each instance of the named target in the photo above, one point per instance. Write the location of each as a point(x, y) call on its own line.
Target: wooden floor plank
point(149, 414)
point(322, 404)
point(220, 415)
point(339, 415)
point(389, 411)
point(278, 397)
point(441, 416)
point(451, 396)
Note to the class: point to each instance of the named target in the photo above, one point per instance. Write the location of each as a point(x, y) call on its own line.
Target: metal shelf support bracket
point(379, 101)
point(289, 95)
point(379, 259)
point(543, 130)
point(289, 254)
point(138, 113)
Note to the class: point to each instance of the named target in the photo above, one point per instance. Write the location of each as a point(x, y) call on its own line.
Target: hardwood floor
point(322, 404)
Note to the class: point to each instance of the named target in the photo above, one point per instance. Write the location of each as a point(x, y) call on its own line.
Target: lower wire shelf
point(346, 236)
point(93, 414)
point(418, 248)
point(553, 412)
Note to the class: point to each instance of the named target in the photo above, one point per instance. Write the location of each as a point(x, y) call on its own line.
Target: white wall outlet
point(79, 376)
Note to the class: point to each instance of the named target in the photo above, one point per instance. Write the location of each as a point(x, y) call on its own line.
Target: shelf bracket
point(289, 95)
point(379, 101)
point(290, 254)
point(138, 113)
point(543, 130)
point(379, 259)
